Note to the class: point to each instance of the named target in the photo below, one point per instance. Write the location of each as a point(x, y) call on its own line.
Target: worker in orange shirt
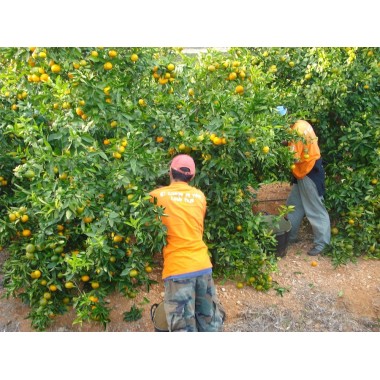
point(308, 186)
point(190, 301)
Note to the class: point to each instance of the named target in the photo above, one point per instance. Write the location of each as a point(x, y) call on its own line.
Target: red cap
point(183, 161)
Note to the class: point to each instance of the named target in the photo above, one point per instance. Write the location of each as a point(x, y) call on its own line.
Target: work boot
point(314, 251)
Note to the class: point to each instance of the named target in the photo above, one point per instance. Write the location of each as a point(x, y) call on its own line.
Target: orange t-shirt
point(185, 207)
point(305, 152)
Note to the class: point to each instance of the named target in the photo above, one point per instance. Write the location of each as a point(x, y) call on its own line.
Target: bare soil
point(308, 298)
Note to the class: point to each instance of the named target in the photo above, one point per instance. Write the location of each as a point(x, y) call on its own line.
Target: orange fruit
point(56, 68)
point(85, 278)
point(148, 269)
point(12, 217)
point(191, 92)
point(130, 197)
point(47, 295)
point(95, 285)
point(26, 233)
point(266, 149)
point(112, 53)
point(232, 76)
point(314, 263)
point(133, 273)
point(69, 285)
point(170, 67)
point(108, 66)
point(117, 238)
point(44, 77)
point(24, 218)
point(182, 147)
point(35, 78)
point(30, 248)
point(239, 89)
point(239, 227)
point(36, 274)
point(240, 285)
point(53, 288)
point(134, 57)
point(121, 149)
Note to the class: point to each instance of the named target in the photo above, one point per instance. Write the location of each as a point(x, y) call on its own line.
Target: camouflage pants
point(192, 305)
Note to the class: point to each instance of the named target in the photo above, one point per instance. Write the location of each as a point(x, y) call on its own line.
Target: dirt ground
point(309, 298)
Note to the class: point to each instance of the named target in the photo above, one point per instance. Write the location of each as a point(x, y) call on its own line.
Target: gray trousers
point(304, 196)
point(192, 305)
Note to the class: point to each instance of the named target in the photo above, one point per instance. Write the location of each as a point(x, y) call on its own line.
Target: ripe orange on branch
point(107, 66)
point(56, 68)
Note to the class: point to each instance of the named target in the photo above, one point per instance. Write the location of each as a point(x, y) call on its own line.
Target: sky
point(195, 23)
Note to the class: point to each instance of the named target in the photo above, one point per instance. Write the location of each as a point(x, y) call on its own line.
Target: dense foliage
point(88, 132)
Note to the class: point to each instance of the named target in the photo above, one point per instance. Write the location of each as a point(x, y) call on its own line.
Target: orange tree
point(337, 90)
point(79, 222)
point(86, 133)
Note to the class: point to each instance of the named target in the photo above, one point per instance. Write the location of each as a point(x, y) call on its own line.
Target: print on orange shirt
point(185, 207)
